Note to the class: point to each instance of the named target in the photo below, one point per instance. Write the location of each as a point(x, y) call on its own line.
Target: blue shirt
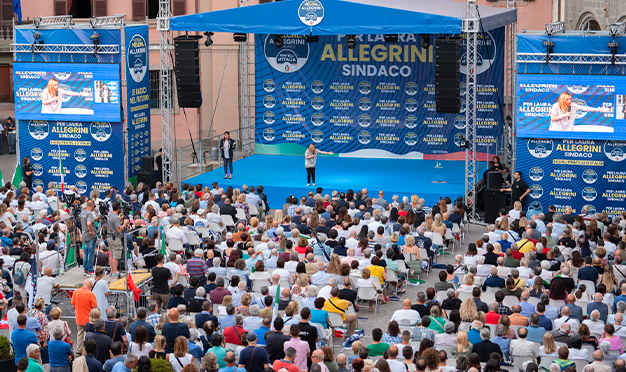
point(504, 345)
point(195, 350)
point(58, 350)
point(618, 299)
point(94, 364)
point(473, 336)
point(260, 333)
point(321, 278)
point(109, 364)
point(493, 281)
point(32, 325)
point(535, 333)
point(21, 338)
point(527, 308)
point(232, 369)
point(227, 321)
point(120, 367)
point(319, 316)
point(545, 323)
point(551, 312)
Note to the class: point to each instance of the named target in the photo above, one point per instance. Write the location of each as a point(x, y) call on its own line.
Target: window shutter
point(178, 7)
point(139, 10)
point(7, 10)
point(100, 8)
point(60, 7)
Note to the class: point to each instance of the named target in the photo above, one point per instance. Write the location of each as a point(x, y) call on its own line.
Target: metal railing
point(203, 156)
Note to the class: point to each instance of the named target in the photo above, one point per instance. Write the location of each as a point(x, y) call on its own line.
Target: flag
point(62, 171)
point(17, 176)
point(163, 251)
point(69, 256)
point(133, 287)
point(17, 9)
point(276, 303)
point(1, 179)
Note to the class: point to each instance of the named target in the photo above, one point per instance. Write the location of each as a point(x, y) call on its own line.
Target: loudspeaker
point(494, 200)
point(448, 75)
point(494, 180)
point(146, 178)
point(147, 164)
point(187, 71)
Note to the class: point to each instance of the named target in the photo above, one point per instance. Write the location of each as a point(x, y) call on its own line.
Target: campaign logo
point(137, 57)
point(410, 105)
point(410, 121)
point(410, 138)
point(38, 129)
point(577, 89)
point(536, 173)
point(269, 118)
point(81, 186)
point(410, 88)
point(590, 176)
point(592, 209)
point(459, 138)
point(365, 87)
point(36, 154)
point(364, 137)
point(459, 122)
point(317, 87)
point(540, 148)
point(311, 12)
point(581, 103)
point(317, 136)
point(317, 103)
point(614, 150)
point(269, 101)
point(536, 191)
point(37, 183)
point(365, 120)
point(37, 169)
point(80, 171)
point(289, 58)
point(317, 119)
point(62, 75)
point(269, 85)
point(486, 54)
point(365, 104)
point(100, 131)
point(589, 193)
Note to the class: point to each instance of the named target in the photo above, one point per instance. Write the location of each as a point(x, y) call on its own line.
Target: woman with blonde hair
point(278, 216)
point(301, 286)
point(56, 322)
point(244, 309)
point(504, 223)
point(549, 347)
point(310, 160)
point(334, 265)
point(429, 222)
point(241, 204)
point(468, 310)
point(366, 281)
point(314, 221)
point(462, 347)
point(159, 346)
point(94, 315)
point(443, 207)
point(180, 358)
point(253, 229)
point(394, 240)
point(468, 285)
point(158, 329)
point(37, 313)
point(608, 279)
point(438, 225)
point(514, 214)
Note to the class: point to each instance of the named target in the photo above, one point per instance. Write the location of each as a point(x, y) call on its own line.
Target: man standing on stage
point(518, 189)
point(227, 146)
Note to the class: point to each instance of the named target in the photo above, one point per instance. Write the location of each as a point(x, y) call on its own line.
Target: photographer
point(115, 229)
point(88, 223)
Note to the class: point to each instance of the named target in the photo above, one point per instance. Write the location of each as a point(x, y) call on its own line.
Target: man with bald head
point(45, 285)
point(394, 364)
point(600, 306)
point(598, 364)
point(321, 277)
point(406, 313)
point(516, 318)
point(567, 318)
point(527, 308)
point(174, 329)
point(576, 311)
point(562, 334)
point(83, 301)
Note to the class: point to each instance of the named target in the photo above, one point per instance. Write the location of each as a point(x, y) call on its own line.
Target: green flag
point(17, 176)
point(2, 179)
point(69, 259)
point(163, 251)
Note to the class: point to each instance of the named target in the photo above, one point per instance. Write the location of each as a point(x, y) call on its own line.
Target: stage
point(283, 175)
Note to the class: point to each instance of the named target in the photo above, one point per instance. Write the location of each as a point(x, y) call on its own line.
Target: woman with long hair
point(425, 344)
point(508, 332)
point(557, 290)
point(537, 289)
point(474, 361)
point(180, 358)
point(393, 335)
point(310, 156)
point(471, 255)
point(585, 334)
point(140, 346)
point(549, 347)
point(468, 310)
point(209, 363)
point(439, 226)
point(27, 171)
point(564, 111)
point(462, 347)
point(334, 265)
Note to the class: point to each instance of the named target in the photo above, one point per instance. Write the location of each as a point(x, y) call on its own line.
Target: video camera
point(103, 208)
point(127, 208)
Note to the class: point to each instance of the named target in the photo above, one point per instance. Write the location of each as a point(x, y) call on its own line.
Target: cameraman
point(115, 229)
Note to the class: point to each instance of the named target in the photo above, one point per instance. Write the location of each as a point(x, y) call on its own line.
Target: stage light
point(553, 28)
point(549, 44)
point(462, 142)
point(95, 38)
point(391, 38)
point(425, 41)
point(351, 41)
point(240, 38)
point(278, 41)
point(37, 42)
point(208, 42)
point(312, 38)
point(613, 47)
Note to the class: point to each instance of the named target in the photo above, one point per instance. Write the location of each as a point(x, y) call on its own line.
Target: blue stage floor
point(283, 175)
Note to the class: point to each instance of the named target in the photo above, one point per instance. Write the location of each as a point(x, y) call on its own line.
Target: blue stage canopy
point(345, 17)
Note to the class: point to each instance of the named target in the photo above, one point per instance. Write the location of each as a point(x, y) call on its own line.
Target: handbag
point(45, 357)
point(67, 338)
point(124, 347)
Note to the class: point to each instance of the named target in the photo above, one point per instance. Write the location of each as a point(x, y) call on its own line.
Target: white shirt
point(145, 349)
point(574, 324)
point(284, 274)
point(352, 243)
point(481, 270)
point(595, 327)
point(101, 290)
point(514, 214)
point(412, 315)
point(44, 288)
point(396, 366)
point(325, 292)
point(187, 359)
point(175, 233)
point(291, 266)
point(610, 248)
point(493, 237)
point(253, 199)
point(154, 205)
point(51, 259)
point(525, 271)
point(578, 354)
point(364, 263)
point(174, 268)
point(521, 347)
point(36, 206)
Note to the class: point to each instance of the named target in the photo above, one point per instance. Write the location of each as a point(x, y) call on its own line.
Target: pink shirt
point(302, 349)
point(616, 343)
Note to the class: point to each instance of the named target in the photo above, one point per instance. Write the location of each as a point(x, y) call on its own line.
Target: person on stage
point(105, 94)
point(227, 146)
point(563, 113)
point(310, 158)
point(27, 173)
point(518, 189)
point(52, 97)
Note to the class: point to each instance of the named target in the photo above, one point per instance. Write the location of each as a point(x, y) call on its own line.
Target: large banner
point(91, 153)
point(376, 100)
point(138, 96)
point(574, 173)
point(67, 91)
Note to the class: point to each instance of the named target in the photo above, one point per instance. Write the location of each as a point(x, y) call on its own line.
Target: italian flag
point(62, 171)
point(17, 176)
point(276, 301)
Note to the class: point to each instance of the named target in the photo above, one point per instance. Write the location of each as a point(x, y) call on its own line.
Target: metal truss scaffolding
point(66, 48)
point(571, 59)
point(471, 27)
point(165, 83)
point(509, 87)
point(247, 139)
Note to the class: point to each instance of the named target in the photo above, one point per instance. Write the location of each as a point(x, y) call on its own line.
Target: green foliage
point(158, 365)
point(6, 352)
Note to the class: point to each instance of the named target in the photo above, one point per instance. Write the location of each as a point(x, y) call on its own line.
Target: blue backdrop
point(376, 100)
point(138, 96)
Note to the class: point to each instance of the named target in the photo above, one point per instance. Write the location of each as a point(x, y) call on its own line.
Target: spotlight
point(240, 38)
point(37, 43)
point(351, 41)
point(391, 38)
point(549, 44)
point(613, 47)
point(278, 41)
point(462, 142)
point(425, 41)
point(94, 37)
point(208, 42)
point(312, 38)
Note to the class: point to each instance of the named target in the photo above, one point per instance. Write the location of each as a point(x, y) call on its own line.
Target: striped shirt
point(153, 318)
point(197, 267)
point(503, 310)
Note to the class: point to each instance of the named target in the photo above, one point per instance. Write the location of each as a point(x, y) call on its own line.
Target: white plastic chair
point(591, 287)
point(257, 284)
point(465, 295)
point(580, 364)
point(368, 294)
point(441, 295)
point(192, 239)
point(175, 245)
point(228, 221)
point(6, 221)
point(20, 216)
point(241, 214)
point(438, 240)
point(510, 301)
point(203, 231)
point(518, 360)
point(254, 211)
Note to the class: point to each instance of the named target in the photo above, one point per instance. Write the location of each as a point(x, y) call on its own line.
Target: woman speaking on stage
point(310, 158)
point(563, 113)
